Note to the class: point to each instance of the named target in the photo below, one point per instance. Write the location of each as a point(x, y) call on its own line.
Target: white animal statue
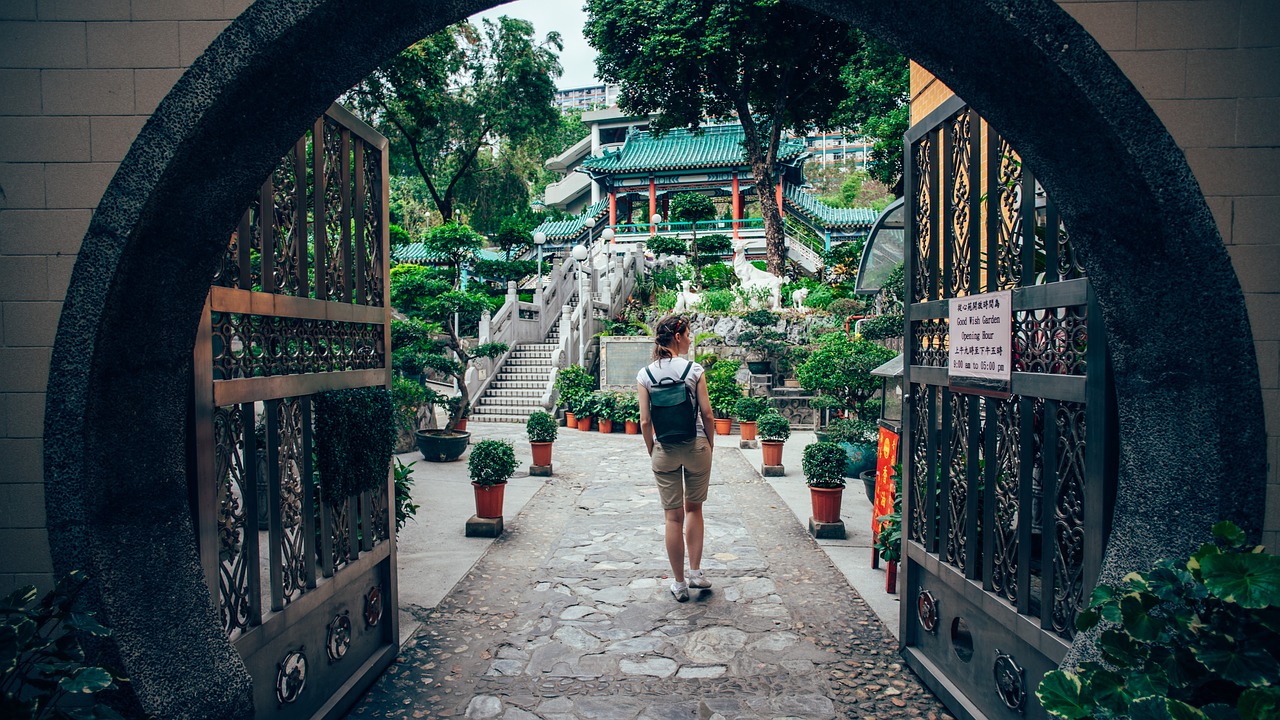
point(753, 278)
point(798, 297)
point(685, 299)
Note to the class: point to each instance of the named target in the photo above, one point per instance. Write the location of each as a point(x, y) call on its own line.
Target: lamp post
point(590, 224)
point(655, 221)
point(539, 239)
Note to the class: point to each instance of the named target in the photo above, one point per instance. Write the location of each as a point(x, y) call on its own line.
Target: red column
point(737, 204)
point(613, 207)
point(779, 196)
point(653, 204)
point(666, 207)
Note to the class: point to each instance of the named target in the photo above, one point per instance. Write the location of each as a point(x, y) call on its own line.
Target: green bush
point(43, 662)
point(666, 245)
point(628, 407)
point(666, 301)
point(599, 404)
point(405, 509)
point(819, 298)
point(718, 301)
point(854, 432)
point(749, 408)
point(541, 427)
point(706, 360)
point(889, 539)
point(492, 462)
point(1189, 639)
point(574, 384)
point(722, 389)
point(407, 396)
point(718, 276)
point(772, 426)
point(844, 307)
point(842, 368)
point(881, 327)
point(665, 278)
point(355, 433)
point(824, 465)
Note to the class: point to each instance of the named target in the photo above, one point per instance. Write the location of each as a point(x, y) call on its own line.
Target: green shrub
point(718, 301)
point(824, 465)
point(492, 462)
point(405, 508)
point(889, 539)
point(599, 404)
point(407, 396)
point(722, 389)
point(881, 327)
point(541, 427)
point(666, 301)
point(666, 245)
point(749, 408)
point(819, 298)
point(772, 426)
point(355, 433)
point(42, 658)
point(718, 276)
point(666, 278)
point(854, 432)
point(842, 368)
point(574, 384)
point(1196, 638)
point(628, 407)
point(706, 360)
point(844, 307)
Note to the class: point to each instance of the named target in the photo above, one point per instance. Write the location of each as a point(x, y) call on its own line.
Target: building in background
point(586, 98)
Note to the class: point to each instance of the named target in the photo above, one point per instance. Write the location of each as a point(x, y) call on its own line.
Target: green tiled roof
point(572, 227)
point(417, 253)
point(825, 215)
point(713, 146)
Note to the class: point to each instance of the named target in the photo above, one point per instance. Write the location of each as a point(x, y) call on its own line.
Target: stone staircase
point(517, 390)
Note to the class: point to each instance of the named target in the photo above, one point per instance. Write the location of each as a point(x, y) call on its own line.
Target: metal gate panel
point(1007, 500)
point(305, 585)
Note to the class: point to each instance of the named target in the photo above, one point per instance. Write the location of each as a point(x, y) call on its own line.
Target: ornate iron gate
point(1007, 498)
point(306, 585)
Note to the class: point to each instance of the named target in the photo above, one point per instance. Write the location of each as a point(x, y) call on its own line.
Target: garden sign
point(979, 358)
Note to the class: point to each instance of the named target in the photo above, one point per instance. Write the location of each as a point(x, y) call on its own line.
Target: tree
point(877, 105)
point(454, 243)
point(693, 208)
point(772, 65)
point(448, 100)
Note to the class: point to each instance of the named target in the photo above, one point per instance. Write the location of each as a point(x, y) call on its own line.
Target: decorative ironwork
point(1068, 518)
point(341, 531)
point(1004, 565)
point(290, 461)
point(960, 222)
point(228, 275)
point(265, 346)
point(1009, 229)
point(1011, 682)
point(931, 338)
point(381, 513)
point(919, 459)
point(288, 240)
point(958, 487)
point(372, 241)
point(924, 280)
point(291, 676)
point(338, 637)
point(336, 208)
point(233, 569)
point(927, 611)
point(373, 606)
point(1068, 259)
point(1053, 340)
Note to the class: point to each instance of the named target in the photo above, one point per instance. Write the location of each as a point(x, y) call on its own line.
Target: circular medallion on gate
point(927, 611)
point(1010, 681)
point(339, 637)
point(373, 606)
point(291, 677)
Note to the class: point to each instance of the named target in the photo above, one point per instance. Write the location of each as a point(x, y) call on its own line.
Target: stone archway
point(115, 424)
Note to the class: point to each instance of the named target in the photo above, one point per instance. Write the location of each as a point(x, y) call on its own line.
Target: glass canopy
point(883, 251)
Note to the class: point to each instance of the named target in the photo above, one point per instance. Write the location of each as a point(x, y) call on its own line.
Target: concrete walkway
point(568, 615)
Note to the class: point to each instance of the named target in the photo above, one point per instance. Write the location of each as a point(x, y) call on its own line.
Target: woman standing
point(682, 468)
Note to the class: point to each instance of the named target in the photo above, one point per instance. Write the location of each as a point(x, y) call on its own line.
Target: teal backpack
point(671, 408)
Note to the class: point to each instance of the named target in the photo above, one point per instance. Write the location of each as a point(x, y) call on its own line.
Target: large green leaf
point(1120, 649)
point(1259, 704)
point(1179, 710)
point(1251, 580)
point(1149, 708)
point(86, 680)
point(1248, 665)
point(18, 599)
point(86, 623)
point(1060, 695)
point(1229, 533)
point(1135, 611)
point(1151, 680)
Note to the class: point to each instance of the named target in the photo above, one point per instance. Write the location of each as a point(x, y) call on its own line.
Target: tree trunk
point(775, 242)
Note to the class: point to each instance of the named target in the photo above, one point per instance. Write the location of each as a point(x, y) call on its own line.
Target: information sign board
point(980, 357)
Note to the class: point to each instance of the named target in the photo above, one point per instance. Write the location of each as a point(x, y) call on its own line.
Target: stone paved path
point(568, 615)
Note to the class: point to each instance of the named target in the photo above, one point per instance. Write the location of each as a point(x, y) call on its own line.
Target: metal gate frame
point(300, 305)
point(989, 598)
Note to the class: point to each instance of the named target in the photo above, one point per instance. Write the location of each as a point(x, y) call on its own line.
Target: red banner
point(886, 458)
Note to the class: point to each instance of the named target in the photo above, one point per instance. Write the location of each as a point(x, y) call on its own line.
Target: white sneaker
point(697, 580)
point(680, 591)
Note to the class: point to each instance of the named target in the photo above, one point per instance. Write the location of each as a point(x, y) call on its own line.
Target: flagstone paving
point(568, 615)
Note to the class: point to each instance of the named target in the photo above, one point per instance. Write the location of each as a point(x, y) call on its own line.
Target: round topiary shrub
point(773, 427)
point(749, 409)
point(823, 465)
point(541, 427)
point(492, 462)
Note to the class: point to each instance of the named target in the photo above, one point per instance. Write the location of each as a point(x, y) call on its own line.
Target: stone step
point(515, 392)
point(530, 360)
point(475, 417)
point(507, 409)
point(524, 373)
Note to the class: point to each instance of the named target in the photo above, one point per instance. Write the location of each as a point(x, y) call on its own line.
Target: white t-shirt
point(673, 368)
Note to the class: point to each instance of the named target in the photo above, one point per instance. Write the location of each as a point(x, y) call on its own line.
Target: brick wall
point(79, 77)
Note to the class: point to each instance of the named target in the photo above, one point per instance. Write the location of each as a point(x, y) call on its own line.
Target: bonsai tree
point(541, 427)
point(775, 428)
point(763, 342)
point(693, 208)
point(841, 367)
point(749, 409)
point(492, 462)
point(722, 390)
point(823, 403)
point(823, 465)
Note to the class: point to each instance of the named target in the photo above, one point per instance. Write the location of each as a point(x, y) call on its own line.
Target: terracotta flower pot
point(489, 499)
point(826, 503)
point(569, 419)
point(633, 427)
point(605, 426)
point(772, 452)
point(541, 453)
point(584, 423)
point(724, 426)
point(461, 426)
point(747, 429)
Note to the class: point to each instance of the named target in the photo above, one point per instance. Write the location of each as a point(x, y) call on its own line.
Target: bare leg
point(675, 541)
point(693, 533)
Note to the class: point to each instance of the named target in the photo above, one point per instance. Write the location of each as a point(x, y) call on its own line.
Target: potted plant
point(822, 464)
point(788, 361)
point(602, 407)
point(748, 410)
point(774, 431)
point(858, 439)
point(629, 411)
point(841, 368)
point(825, 406)
point(572, 383)
point(491, 464)
point(763, 341)
point(541, 429)
point(723, 392)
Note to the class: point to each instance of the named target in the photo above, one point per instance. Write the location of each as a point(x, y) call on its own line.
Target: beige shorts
point(683, 472)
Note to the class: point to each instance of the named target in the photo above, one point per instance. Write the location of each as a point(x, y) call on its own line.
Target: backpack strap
point(688, 366)
point(652, 379)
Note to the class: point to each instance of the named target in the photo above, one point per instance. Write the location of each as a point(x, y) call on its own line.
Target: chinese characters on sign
point(886, 458)
point(980, 358)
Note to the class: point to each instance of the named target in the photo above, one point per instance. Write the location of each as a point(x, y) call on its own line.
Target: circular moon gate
point(115, 428)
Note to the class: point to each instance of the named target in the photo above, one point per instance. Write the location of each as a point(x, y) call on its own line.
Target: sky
point(566, 17)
